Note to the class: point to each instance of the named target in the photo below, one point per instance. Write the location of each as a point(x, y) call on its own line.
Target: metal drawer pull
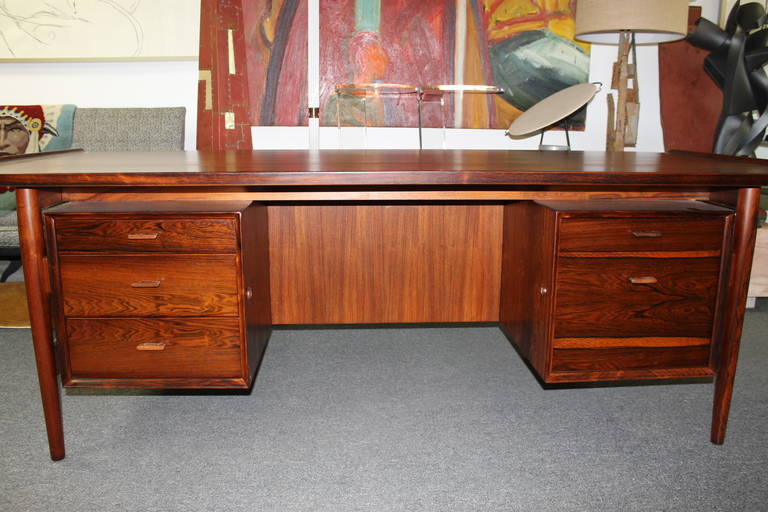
point(146, 284)
point(643, 280)
point(151, 346)
point(143, 236)
point(646, 234)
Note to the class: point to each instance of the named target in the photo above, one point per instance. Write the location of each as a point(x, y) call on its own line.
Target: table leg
point(35, 268)
point(738, 282)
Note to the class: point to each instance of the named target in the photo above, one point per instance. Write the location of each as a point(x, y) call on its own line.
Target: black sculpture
point(735, 63)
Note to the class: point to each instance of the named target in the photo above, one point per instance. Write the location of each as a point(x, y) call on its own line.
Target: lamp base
point(623, 114)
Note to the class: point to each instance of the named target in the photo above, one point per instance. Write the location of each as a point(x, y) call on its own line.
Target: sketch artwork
point(98, 29)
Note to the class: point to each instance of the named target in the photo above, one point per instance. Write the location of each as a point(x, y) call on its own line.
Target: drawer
point(579, 234)
point(154, 348)
point(99, 234)
point(631, 358)
point(149, 285)
point(635, 297)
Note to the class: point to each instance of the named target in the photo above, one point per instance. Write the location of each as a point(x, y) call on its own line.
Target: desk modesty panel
point(597, 266)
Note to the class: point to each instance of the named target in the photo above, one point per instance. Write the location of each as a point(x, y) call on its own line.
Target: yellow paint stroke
point(475, 105)
point(506, 18)
point(269, 21)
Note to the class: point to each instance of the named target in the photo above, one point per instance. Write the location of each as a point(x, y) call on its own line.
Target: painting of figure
point(35, 128)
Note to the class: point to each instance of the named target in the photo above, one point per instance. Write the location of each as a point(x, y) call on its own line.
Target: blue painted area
point(535, 64)
point(64, 127)
point(367, 15)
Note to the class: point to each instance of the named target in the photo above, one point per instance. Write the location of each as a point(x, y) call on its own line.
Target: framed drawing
point(98, 30)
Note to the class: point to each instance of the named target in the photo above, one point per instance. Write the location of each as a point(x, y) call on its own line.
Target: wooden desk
point(430, 236)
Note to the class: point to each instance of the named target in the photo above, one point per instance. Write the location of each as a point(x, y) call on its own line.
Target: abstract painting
point(525, 47)
point(276, 53)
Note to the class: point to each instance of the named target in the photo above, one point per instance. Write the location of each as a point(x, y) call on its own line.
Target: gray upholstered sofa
point(9, 243)
point(103, 129)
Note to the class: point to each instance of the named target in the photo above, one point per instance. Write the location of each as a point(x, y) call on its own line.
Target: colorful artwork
point(405, 42)
point(276, 53)
point(35, 128)
point(525, 47)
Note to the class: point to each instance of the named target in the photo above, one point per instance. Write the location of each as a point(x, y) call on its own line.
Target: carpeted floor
point(411, 419)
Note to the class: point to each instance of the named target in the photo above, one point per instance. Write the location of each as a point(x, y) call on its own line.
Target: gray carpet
point(412, 419)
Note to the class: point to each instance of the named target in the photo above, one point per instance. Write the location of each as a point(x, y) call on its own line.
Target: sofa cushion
point(7, 201)
point(129, 129)
point(9, 233)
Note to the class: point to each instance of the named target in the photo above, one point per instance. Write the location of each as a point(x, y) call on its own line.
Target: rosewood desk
point(167, 270)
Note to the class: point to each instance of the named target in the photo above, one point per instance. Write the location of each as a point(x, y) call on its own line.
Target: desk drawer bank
point(615, 290)
point(155, 295)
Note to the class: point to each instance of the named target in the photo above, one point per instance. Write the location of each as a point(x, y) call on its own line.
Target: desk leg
point(35, 269)
point(738, 282)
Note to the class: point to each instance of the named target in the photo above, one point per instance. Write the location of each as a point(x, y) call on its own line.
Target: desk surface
point(387, 168)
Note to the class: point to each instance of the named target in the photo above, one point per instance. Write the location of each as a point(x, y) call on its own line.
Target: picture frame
point(92, 30)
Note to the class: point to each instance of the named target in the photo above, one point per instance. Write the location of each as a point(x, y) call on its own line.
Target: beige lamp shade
point(651, 21)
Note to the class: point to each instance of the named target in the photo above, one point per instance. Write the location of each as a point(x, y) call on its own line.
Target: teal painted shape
point(64, 127)
point(367, 15)
point(535, 64)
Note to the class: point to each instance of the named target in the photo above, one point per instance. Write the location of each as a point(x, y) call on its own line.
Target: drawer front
point(629, 358)
point(153, 235)
point(629, 235)
point(636, 297)
point(154, 348)
point(148, 285)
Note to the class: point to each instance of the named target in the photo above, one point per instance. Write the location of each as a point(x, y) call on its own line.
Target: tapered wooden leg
point(741, 265)
point(33, 262)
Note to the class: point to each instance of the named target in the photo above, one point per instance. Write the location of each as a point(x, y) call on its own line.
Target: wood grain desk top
point(384, 168)
point(422, 176)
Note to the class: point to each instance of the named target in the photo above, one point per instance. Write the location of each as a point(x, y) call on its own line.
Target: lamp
point(628, 23)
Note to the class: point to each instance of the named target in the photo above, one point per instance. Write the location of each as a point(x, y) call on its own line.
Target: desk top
point(384, 168)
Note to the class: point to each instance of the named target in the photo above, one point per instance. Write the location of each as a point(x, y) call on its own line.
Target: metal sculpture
point(735, 63)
